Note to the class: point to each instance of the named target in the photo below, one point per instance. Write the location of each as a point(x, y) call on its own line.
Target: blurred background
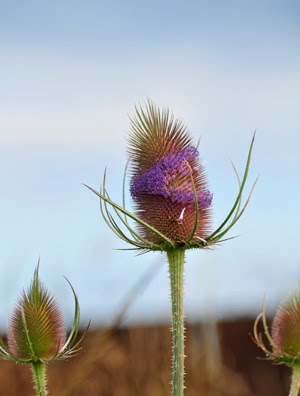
point(70, 74)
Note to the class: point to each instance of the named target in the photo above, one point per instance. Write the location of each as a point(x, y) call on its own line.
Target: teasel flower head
point(284, 337)
point(168, 186)
point(167, 182)
point(36, 330)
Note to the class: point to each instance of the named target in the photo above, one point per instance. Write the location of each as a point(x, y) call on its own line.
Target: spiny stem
point(295, 385)
point(39, 377)
point(176, 266)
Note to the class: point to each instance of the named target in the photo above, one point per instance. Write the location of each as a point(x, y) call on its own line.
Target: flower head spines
point(286, 327)
point(36, 328)
point(154, 134)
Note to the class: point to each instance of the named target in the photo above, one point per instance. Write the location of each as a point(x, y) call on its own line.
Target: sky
point(70, 75)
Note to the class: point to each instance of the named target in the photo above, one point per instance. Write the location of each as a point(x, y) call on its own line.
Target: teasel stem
point(295, 385)
point(176, 267)
point(39, 377)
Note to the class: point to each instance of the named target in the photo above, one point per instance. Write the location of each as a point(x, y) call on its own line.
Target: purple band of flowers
point(170, 178)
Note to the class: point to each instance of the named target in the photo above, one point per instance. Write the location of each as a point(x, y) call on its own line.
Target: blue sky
point(71, 72)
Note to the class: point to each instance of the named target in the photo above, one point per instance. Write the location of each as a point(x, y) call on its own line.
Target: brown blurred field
point(221, 361)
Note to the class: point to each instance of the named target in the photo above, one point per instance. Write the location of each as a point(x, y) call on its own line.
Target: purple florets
point(170, 178)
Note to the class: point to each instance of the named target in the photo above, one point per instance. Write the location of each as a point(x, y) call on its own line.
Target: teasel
point(172, 205)
point(36, 333)
point(283, 339)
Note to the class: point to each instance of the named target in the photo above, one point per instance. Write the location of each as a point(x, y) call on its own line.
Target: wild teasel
point(36, 333)
point(168, 186)
point(284, 337)
point(172, 206)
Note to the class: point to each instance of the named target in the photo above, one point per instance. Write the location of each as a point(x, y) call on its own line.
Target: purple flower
point(167, 177)
point(170, 178)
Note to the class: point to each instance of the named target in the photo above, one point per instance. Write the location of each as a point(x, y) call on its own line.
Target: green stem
point(176, 266)
point(295, 385)
point(39, 377)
